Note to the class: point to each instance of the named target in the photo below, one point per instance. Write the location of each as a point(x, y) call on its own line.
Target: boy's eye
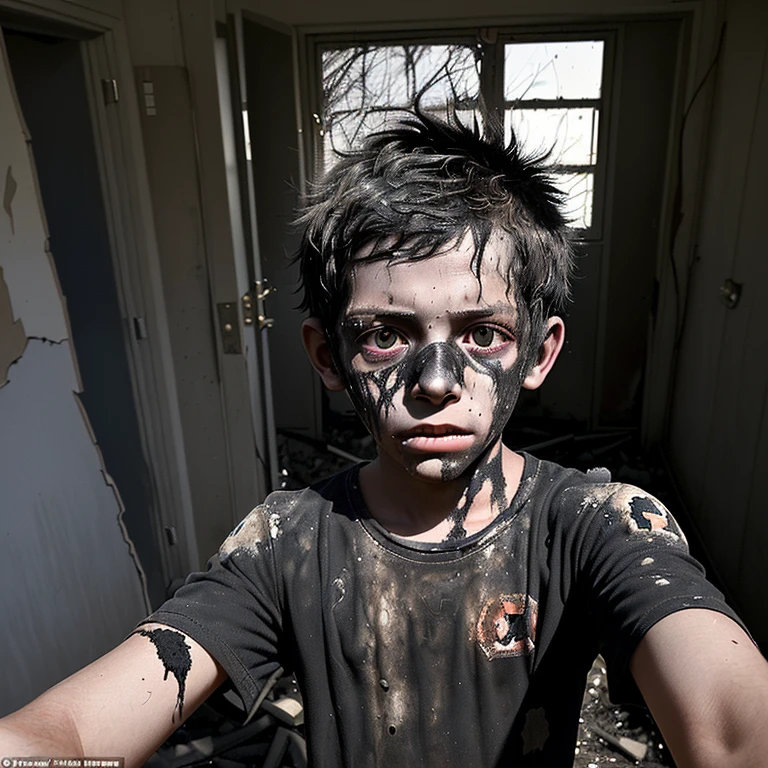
point(483, 336)
point(487, 339)
point(382, 344)
point(384, 338)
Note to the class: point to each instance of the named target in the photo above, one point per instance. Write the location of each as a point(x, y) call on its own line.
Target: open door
point(253, 289)
point(274, 178)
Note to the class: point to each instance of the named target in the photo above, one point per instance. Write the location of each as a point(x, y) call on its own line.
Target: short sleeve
point(635, 564)
point(232, 608)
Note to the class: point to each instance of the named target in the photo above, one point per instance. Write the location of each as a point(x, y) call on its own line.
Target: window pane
point(568, 70)
point(570, 134)
point(364, 87)
point(346, 131)
point(579, 191)
point(449, 73)
point(363, 77)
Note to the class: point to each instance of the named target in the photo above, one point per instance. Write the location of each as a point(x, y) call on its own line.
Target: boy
point(441, 605)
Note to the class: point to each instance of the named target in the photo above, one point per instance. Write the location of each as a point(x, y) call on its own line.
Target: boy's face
point(431, 356)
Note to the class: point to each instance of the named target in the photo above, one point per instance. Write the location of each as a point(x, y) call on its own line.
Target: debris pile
point(619, 737)
point(221, 734)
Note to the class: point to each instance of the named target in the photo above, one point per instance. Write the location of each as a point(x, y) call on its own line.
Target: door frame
point(99, 27)
point(224, 233)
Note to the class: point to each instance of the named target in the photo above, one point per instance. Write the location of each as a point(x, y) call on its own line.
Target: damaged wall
point(72, 575)
point(718, 429)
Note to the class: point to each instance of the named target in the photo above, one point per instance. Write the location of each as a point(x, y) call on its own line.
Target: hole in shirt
point(392, 730)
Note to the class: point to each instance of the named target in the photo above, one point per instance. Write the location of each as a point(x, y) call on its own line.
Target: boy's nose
point(437, 373)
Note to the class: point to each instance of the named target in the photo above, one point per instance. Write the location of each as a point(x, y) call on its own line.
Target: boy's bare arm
point(124, 704)
point(707, 686)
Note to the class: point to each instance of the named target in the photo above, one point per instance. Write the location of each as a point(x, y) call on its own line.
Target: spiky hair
point(419, 186)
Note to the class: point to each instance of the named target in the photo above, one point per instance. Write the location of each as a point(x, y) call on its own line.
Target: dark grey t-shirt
point(453, 654)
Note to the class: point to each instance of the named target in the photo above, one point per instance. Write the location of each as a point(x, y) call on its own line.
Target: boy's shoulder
point(593, 498)
point(287, 512)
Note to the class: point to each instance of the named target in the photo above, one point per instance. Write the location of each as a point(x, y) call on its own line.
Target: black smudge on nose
point(438, 364)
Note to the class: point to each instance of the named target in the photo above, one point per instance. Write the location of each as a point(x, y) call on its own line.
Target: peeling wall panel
point(12, 336)
point(51, 87)
point(71, 585)
point(23, 240)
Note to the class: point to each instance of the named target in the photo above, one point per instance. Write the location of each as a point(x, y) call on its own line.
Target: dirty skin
point(173, 652)
point(374, 393)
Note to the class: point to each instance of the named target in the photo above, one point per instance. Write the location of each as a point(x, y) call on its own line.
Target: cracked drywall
point(108, 479)
point(27, 271)
point(12, 336)
point(60, 518)
point(80, 580)
point(8, 194)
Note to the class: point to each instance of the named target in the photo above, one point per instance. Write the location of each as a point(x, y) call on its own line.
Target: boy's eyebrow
point(480, 312)
point(406, 314)
point(395, 314)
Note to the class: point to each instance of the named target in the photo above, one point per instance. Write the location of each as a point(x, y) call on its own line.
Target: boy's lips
point(436, 438)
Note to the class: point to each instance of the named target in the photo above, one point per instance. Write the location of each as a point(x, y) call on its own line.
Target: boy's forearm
point(748, 750)
point(731, 731)
point(707, 687)
point(38, 730)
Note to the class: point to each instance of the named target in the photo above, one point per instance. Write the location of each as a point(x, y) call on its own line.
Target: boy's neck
point(432, 511)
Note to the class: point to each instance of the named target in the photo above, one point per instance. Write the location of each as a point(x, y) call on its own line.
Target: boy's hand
point(124, 704)
point(707, 687)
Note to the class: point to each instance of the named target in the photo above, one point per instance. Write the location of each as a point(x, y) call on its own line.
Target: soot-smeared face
point(431, 356)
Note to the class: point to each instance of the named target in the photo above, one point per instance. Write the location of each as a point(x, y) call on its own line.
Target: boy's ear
point(319, 352)
point(550, 349)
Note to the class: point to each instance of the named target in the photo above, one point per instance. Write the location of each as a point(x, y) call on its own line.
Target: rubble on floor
point(619, 737)
point(272, 737)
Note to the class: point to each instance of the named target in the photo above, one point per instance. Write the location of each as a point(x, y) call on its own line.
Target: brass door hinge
point(253, 300)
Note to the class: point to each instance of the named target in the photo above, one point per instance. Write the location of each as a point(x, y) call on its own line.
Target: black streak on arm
point(173, 651)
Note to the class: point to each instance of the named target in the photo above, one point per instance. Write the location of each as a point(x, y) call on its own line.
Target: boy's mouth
point(436, 438)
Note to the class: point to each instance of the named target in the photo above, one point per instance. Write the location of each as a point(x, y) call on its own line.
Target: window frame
point(492, 41)
point(593, 233)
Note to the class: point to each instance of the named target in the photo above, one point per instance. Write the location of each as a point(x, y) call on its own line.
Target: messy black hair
point(418, 187)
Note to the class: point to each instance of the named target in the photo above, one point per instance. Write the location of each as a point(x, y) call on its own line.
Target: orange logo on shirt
point(507, 626)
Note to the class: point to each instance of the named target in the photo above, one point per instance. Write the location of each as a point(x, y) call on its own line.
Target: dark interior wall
point(49, 80)
point(718, 424)
point(644, 88)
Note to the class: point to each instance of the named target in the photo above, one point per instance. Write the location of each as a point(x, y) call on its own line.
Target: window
point(552, 101)
point(366, 85)
point(550, 92)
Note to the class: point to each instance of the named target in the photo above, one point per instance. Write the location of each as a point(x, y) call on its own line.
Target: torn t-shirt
point(453, 654)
